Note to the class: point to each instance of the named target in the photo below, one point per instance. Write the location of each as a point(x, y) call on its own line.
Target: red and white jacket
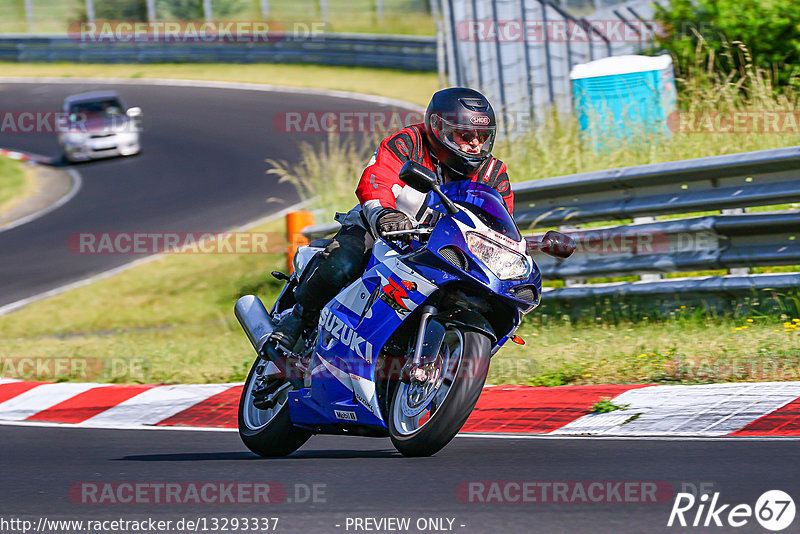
point(381, 188)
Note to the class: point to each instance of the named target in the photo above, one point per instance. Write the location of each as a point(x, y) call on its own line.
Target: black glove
point(392, 221)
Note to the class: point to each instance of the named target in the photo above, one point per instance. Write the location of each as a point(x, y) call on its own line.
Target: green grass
point(400, 16)
point(416, 87)
point(15, 182)
point(687, 350)
point(172, 317)
point(606, 405)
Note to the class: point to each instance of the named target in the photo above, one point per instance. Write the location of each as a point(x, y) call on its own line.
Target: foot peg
point(286, 365)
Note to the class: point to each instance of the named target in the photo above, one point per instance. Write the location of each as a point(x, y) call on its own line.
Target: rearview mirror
point(418, 177)
point(134, 112)
point(557, 245)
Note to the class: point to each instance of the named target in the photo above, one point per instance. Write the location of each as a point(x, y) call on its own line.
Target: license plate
point(100, 145)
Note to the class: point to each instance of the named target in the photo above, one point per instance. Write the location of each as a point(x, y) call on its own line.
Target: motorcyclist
point(455, 142)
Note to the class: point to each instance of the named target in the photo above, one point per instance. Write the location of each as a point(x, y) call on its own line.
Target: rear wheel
point(264, 423)
point(425, 415)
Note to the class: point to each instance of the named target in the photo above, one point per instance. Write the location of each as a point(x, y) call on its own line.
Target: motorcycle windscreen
point(483, 201)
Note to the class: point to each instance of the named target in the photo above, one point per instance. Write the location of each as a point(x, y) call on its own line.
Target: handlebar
point(412, 231)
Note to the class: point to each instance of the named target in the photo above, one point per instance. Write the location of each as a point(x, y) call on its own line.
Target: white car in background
point(99, 126)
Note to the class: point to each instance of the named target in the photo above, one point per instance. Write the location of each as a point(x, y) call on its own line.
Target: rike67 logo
point(774, 510)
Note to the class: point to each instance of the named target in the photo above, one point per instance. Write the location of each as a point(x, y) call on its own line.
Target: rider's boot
point(282, 342)
point(289, 329)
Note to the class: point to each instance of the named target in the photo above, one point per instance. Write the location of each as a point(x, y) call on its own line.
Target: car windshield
point(104, 107)
point(485, 203)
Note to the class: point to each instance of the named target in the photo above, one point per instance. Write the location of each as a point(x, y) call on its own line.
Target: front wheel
point(264, 423)
point(425, 415)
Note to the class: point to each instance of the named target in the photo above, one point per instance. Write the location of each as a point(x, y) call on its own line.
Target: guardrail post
point(295, 222)
point(379, 10)
point(29, 14)
point(738, 271)
point(569, 282)
point(90, 10)
point(441, 58)
point(208, 13)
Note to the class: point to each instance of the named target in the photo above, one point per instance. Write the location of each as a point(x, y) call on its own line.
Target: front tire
point(443, 411)
point(268, 432)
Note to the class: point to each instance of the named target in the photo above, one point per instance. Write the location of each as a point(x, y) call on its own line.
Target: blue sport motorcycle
point(404, 350)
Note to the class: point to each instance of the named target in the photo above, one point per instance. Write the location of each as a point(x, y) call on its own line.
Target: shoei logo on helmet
point(480, 120)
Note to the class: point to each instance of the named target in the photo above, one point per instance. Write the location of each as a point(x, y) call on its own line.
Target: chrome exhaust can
point(254, 319)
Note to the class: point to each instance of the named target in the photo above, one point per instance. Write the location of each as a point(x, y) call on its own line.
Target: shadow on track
point(215, 456)
point(188, 457)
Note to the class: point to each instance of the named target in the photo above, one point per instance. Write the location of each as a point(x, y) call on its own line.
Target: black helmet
point(460, 128)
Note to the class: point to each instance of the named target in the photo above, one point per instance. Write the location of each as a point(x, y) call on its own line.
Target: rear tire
point(268, 433)
point(466, 377)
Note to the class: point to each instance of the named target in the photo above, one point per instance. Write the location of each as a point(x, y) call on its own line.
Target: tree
point(769, 29)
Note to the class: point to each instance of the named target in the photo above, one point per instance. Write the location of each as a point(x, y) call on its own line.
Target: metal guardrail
point(693, 244)
point(396, 52)
point(720, 182)
point(727, 241)
point(699, 286)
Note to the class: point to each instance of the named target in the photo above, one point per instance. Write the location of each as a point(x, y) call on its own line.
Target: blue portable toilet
point(623, 98)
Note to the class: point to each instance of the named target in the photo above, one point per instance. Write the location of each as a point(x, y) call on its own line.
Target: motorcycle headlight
point(503, 262)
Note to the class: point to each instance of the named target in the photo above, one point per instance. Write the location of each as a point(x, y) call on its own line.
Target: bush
point(769, 28)
point(121, 10)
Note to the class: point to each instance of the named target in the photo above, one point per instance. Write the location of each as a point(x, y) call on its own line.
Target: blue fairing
point(360, 320)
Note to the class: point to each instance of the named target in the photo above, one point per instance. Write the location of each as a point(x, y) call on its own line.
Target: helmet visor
point(464, 139)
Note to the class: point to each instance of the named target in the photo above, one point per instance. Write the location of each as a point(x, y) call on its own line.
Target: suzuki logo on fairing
point(397, 293)
point(343, 333)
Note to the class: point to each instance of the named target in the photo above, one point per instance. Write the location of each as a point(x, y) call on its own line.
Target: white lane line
point(115, 427)
point(77, 183)
point(41, 398)
point(543, 437)
point(628, 438)
point(155, 405)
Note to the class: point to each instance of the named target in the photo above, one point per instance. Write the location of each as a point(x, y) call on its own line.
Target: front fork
point(430, 336)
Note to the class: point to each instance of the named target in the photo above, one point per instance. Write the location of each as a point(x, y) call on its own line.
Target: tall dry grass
point(327, 172)
point(555, 146)
point(330, 171)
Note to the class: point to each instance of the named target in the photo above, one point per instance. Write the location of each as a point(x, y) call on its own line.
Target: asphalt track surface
point(202, 169)
point(365, 477)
